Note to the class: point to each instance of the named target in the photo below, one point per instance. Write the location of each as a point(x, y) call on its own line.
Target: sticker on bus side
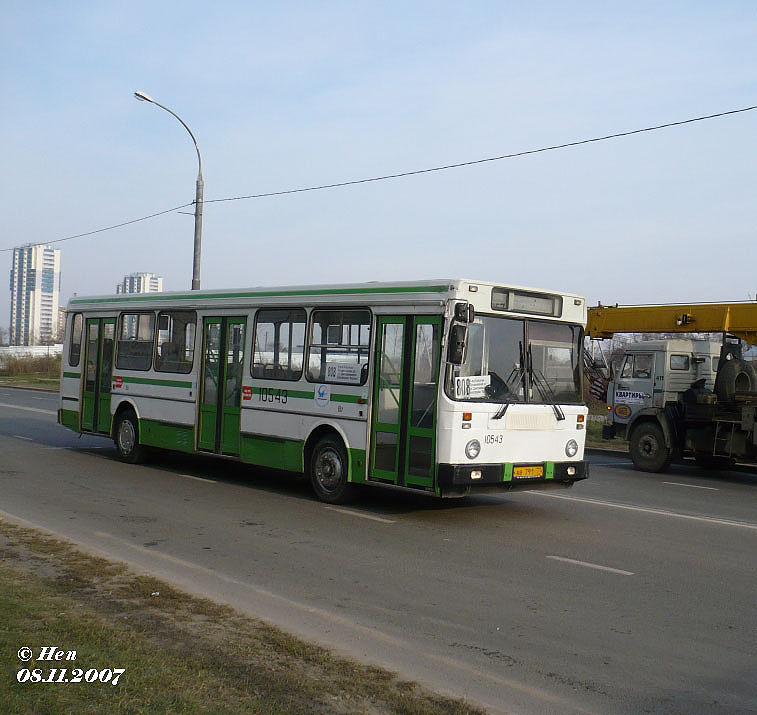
point(322, 395)
point(343, 372)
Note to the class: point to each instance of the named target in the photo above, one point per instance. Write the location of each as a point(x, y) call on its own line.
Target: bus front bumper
point(461, 479)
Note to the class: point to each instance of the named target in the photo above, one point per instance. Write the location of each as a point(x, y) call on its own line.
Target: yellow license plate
point(528, 472)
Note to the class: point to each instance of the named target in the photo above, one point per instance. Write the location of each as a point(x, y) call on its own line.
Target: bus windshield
point(513, 360)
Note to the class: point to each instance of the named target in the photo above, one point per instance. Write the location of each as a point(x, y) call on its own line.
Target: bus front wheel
point(126, 437)
point(328, 471)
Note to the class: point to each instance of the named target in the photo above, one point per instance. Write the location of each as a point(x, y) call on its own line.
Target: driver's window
point(627, 370)
point(642, 366)
point(476, 358)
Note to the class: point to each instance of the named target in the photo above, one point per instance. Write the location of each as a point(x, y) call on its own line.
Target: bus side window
point(278, 344)
point(135, 341)
point(74, 351)
point(339, 346)
point(176, 338)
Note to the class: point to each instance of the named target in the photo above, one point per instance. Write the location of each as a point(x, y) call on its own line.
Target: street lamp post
point(198, 195)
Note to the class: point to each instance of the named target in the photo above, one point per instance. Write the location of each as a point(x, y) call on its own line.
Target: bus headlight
point(571, 448)
point(472, 449)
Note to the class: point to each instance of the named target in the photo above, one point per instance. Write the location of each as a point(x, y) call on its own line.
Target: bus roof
point(486, 297)
point(374, 291)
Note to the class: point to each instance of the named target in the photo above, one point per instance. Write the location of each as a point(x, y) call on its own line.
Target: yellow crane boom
point(739, 319)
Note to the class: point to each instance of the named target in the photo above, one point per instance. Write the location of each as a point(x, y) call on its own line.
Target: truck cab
point(655, 373)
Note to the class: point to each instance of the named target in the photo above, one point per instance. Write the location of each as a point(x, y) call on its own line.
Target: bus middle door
point(220, 400)
point(403, 429)
point(95, 404)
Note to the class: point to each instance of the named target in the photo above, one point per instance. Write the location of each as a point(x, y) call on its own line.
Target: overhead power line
point(105, 228)
point(399, 175)
point(482, 161)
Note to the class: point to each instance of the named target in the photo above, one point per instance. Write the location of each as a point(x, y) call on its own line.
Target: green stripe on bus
point(347, 398)
point(267, 294)
point(358, 466)
point(159, 434)
point(70, 419)
point(305, 394)
point(77, 375)
point(508, 472)
point(154, 381)
point(275, 452)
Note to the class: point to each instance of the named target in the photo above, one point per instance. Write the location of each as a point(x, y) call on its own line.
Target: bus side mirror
point(458, 336)
point(464, 313)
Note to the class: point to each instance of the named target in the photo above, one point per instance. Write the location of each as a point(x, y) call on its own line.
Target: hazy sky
point(291, 94)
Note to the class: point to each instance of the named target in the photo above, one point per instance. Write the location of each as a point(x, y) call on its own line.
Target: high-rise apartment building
point(35, 293)
point(61, 324)
point(141, 283)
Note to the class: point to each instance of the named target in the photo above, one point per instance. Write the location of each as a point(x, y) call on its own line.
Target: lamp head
point(143, 96)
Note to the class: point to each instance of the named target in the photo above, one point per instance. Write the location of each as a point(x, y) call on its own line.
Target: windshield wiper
point(492, 392)
point(542, 385)
point(501, 411)
point(511, 385)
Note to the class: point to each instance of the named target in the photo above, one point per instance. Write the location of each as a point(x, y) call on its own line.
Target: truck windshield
point(518, 360)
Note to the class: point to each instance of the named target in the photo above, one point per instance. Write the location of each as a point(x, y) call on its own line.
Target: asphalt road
point(629, 593)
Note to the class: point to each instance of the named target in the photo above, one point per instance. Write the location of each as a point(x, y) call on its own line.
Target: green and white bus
point(438, 386)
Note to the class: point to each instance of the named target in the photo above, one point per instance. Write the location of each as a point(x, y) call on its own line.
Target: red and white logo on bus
point(119, 381)
point(247, 392)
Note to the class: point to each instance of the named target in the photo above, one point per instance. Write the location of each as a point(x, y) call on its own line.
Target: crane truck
point(681, 397)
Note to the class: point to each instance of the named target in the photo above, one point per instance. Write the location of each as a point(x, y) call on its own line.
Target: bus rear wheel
point(648, 449)
point(328, 471)
point(126, 437)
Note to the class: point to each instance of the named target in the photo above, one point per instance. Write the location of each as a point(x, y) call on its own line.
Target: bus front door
point(95, 404)
point(220, 401)
point(403, 430)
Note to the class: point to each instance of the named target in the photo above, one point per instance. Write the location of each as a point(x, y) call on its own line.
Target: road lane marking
point(598, 567)
point(20, 436)
point(693, 486)
point(28, 409)
point(649, 510)
point(199, 479)
point(350, 512)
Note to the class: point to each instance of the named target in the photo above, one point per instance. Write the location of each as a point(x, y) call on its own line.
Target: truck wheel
point(328, 471)
point(735, 376)
point(648, 449)
point(126, 437)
